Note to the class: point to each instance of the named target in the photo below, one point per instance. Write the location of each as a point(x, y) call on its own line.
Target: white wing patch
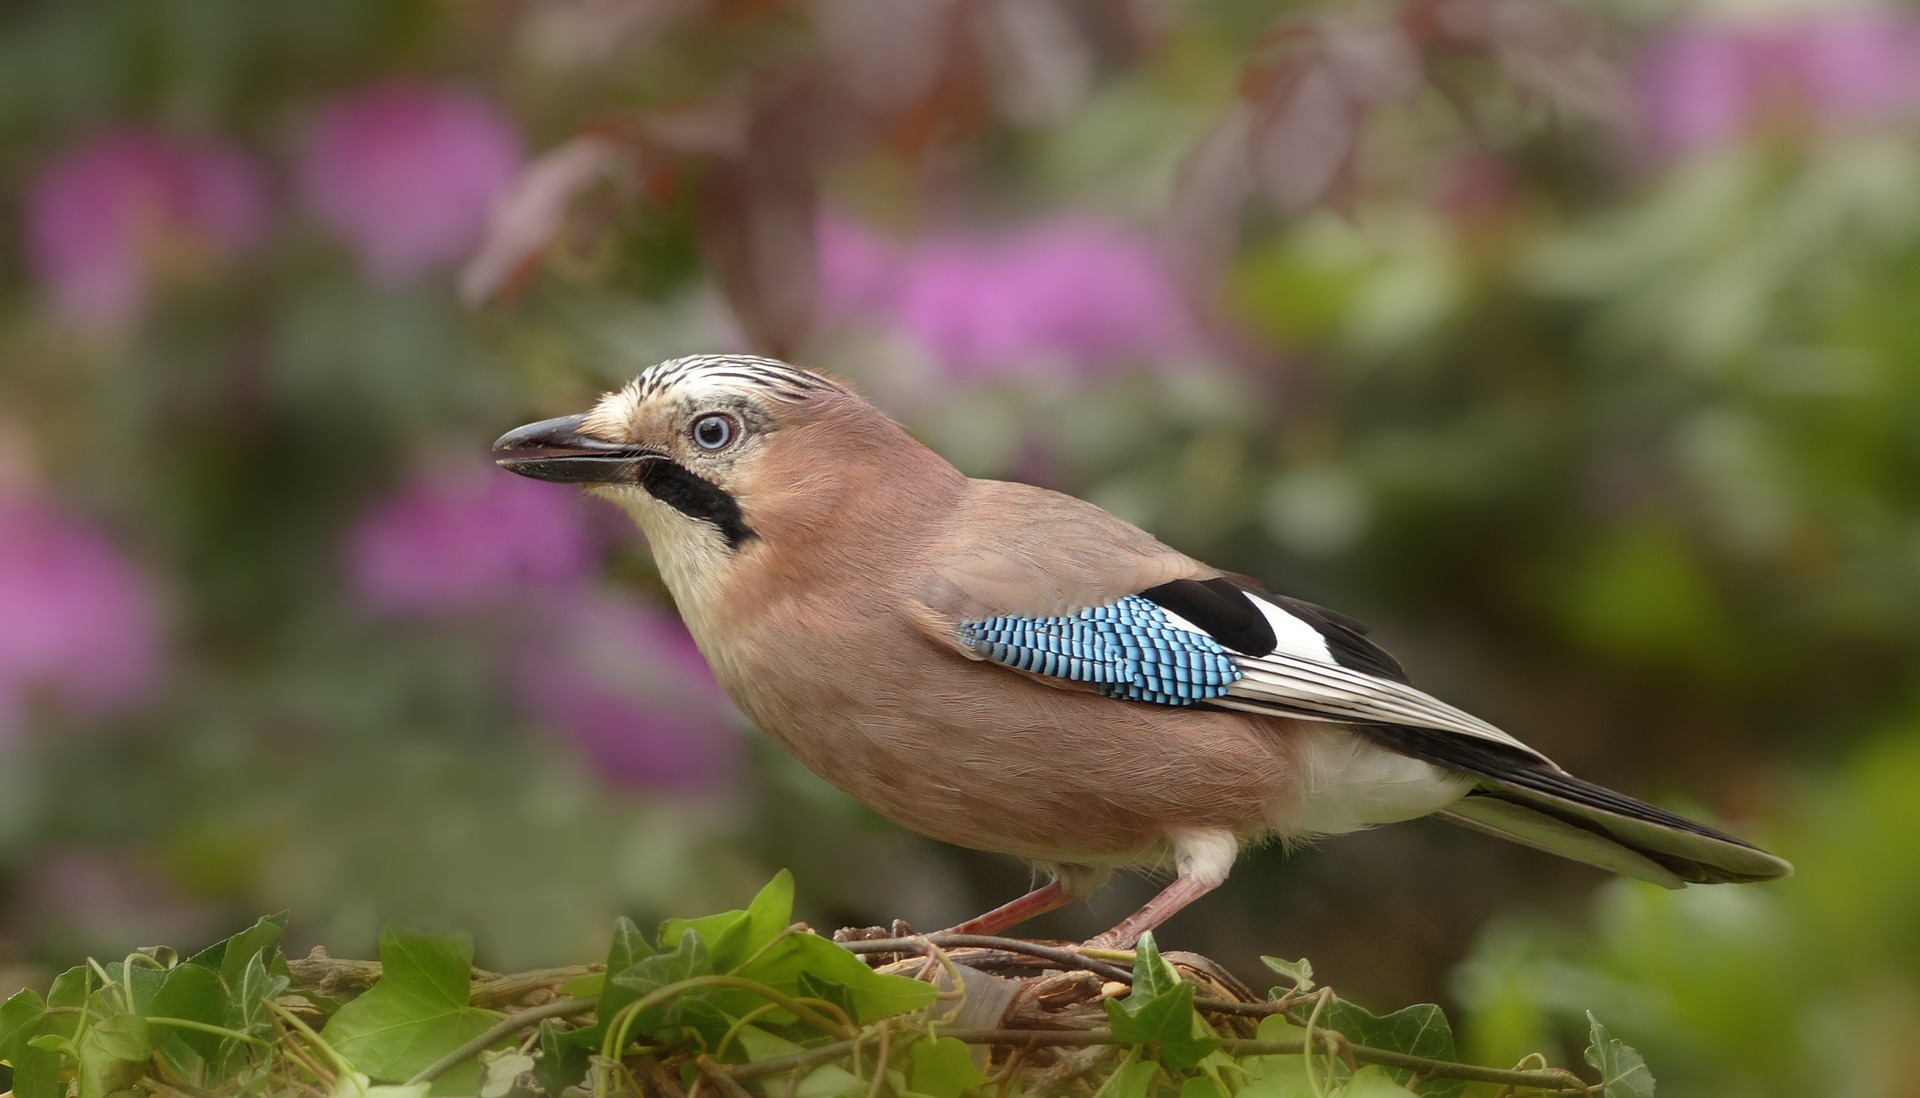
point(1301, 678)
point(1292, 635)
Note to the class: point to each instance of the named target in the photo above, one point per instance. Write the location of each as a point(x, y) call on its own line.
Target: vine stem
point(1549, 1081)
point(511, 1024)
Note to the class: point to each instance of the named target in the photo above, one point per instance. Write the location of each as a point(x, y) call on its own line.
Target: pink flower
point(464, 536)
point(82, 622)
point(1074, 293)
point(107, 215)
point(623, 682)
point(406, 173)
point(1705, 84)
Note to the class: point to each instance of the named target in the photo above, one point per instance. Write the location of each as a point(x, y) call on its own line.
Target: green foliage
point(1802, 987)
point(1159, 1012)
point(416, 1013)
point(1622, 1071)
point(722, 995)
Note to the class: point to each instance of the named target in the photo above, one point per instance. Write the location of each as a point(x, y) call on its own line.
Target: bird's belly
point(1041, 773)
point(1347, 783)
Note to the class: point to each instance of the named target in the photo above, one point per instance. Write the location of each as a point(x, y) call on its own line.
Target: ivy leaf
point(35, 1070)
point(353, 1084)
point(1373, 1081)
point(20, 1018)
point(563, 1058)
point(867, 994)
point(1132, 1079)
point(696, 1009)
point(1202, 1087)
point(229, 957)
point(1420, 1030)
point(1623, 1073)
point(733, 938)
point(416, 1013)
point(1300, 971)
point(142, 980)
point(192, 993)
point(1159, 1011)
point(112, 1054)
point(629, 946)
point(502, 1073)
point(246, 1010)
point(943, 1068)
point(825, 1081)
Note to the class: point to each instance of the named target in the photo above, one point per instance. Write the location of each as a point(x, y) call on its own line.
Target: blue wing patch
point(1128, 650)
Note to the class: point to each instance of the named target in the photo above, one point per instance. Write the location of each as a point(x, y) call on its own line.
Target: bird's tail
point(1595, 825)
point(1529, 800)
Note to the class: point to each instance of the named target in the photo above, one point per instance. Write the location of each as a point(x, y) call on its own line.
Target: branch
point(1549, 1081)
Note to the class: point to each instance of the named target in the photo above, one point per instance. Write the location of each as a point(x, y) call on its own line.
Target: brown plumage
point(834, 572)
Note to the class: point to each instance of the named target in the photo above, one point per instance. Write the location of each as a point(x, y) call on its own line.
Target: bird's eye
point(715, 431)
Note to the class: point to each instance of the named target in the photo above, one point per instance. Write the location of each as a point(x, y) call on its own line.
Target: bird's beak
point(558, 450)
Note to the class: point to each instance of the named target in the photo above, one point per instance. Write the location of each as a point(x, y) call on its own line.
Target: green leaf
point(1159, 1011)
point(37, 1068)
point(629, 945)
point(20, 1018)
point(501, 1072)
point(868, 994)
point(229, 957)
point(191, 992)
point(1419, 1030)
point(1299, 972)
point(1276, 1076)
point(825, 1081)
point(112, 1054)
point(36, 1071)
point(353, 1084)
point(1623, 1073)
point(1202, 1087)
point(416, 1013)
point(734, 937)
point(813, 987)
point(563, 1059)
point(648, 975)
point(142, 980)
point(246, 1011)
point(1372, 1081)
point(1132, 1079)
point(943, 1068)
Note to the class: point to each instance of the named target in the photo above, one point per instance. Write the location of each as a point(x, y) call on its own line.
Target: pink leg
point(1041, 900)
point(1183, 891)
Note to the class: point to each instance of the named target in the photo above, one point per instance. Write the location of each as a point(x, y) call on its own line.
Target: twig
point(1060, 955)
point(506, 988)
point(512, 1023)
point(720, 1077)
point(1552, 1081)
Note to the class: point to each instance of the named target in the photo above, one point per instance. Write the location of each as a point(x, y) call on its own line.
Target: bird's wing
point(1076, 598)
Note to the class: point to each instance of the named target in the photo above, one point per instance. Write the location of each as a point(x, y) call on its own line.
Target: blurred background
point(1572, 347)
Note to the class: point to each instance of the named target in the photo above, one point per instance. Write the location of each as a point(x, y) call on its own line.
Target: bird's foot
point(897, 929)
point(1114, 939)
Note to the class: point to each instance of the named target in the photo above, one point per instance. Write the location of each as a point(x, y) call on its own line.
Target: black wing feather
point(1486, 759)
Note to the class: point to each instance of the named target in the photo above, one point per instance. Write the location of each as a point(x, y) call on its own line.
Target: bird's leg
point(1185, 889)
point(1203, 857)
point(1053, 894)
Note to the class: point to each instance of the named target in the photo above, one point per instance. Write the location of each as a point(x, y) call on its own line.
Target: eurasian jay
point(1010, 669)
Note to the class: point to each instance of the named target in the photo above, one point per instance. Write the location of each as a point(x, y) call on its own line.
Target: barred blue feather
point(1128, 650)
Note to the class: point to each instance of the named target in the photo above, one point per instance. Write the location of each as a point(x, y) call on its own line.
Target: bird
point(1011, 669)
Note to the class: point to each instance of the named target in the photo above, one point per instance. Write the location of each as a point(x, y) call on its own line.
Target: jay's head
point(714, 454)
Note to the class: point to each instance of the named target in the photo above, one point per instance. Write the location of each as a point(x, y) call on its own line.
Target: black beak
point(556, 450)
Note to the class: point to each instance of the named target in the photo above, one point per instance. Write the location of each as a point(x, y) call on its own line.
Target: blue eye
point(715, 432)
